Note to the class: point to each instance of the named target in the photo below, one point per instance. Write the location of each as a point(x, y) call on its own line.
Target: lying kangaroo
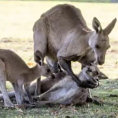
point(66, 91)
point(62, 89)
point(47, 83)
point(14, 69)
point(61, 34)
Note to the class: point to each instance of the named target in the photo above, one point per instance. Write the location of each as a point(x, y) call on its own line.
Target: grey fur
point(66, 91)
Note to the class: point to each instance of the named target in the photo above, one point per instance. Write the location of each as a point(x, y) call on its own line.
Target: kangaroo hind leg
point(19, 92)
point(3, 78)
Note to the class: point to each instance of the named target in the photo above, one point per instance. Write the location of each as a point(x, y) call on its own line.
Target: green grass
point(108, 110)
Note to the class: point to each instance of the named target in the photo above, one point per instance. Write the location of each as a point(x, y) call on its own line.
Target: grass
point(108, 110)
point(16, 22)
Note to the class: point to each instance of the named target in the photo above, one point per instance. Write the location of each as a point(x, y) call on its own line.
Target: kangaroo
point(47, 83)
point(62, 36)
point(63, 90)
point(14, 69)
point(66, 91)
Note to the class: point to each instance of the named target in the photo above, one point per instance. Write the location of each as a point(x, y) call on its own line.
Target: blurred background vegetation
point(97, 1)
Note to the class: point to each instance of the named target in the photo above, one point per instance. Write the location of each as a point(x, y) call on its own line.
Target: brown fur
point(14, 69)
point(62, 35)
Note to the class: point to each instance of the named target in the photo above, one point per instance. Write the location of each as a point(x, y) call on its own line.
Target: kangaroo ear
point(102, 76)
point(96, 25)
point(109, 28)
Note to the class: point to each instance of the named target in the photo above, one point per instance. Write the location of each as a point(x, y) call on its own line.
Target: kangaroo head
point(44, 70)
point(91, 70)
point(90, 73)
point(99, 40)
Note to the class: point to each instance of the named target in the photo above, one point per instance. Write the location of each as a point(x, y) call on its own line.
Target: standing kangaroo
point(61, 34)
point(14, 69)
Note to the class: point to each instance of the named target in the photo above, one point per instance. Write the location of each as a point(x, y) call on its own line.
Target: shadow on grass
point(108, 110)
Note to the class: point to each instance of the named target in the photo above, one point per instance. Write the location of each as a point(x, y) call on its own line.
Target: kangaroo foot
point(8, 105)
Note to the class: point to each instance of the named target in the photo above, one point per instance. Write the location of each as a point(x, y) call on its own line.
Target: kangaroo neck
point(89, 34)
point(89, 53)
point(35, 71)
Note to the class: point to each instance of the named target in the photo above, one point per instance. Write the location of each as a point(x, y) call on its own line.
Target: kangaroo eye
point(96, 73)
point(97, 46)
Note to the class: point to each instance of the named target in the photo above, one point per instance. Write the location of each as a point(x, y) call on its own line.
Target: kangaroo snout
point(101, 59)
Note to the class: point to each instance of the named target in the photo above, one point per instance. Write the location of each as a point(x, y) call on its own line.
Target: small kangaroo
point(66, 91)
point(14, 69)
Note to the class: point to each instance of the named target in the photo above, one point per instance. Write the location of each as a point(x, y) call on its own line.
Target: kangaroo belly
point(58, 94)
point(63, 95)
point(66, 91)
